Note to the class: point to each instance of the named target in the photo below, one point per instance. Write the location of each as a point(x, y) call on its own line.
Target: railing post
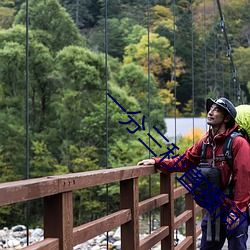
point(191, 223)
point(58, 219)
point(129, 198)
point(167, 210)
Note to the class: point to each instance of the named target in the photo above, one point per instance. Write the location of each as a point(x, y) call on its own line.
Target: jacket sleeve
point(241, 173)
point(192, 156)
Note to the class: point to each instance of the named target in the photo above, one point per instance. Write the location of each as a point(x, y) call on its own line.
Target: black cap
point(223, 103)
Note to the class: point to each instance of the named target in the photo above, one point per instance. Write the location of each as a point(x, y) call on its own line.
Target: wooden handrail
point(58, 208)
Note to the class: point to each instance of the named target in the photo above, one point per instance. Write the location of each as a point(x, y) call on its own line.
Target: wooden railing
point(56, 192)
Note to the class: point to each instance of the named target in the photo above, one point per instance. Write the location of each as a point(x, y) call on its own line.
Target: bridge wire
point(215, 53)
point(27, 204)
point(229, 55)
point(149, 96)
point(193, 97)
point(205, 49)
point(205, 54)
point(175, 95)
point(106, 82)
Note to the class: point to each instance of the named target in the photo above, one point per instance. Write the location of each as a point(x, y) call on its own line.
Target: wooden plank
point(152, 203)
point(129, 196)
point(182, 218)
point(178, 192)
point(167, 210)
point(191, 223)
point(198, 208)
point(24, 190)
point(90, 230)
point(58, 219)
point(46, 244)
point(198, 230)
point(185, 244)
point(94, 178)
point(154, 238)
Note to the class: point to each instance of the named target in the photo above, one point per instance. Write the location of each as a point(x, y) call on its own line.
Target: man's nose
point(210, 111)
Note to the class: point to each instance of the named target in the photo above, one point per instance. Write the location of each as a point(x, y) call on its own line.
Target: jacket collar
point(221, 136)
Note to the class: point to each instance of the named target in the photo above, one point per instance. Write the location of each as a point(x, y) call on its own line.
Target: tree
point(53, 25)
point(6, 17)
point(118, 31)
point(242, 64)
point(84, 13)
point(132, 78)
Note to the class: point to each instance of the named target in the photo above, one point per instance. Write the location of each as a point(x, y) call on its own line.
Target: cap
point(223, 103)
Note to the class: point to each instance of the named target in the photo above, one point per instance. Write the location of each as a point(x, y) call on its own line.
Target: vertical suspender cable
point(27, 112)
point(222, 70)
point(230, 56)
point(175, 90)
point(106, 81)
point(149, 177)
point(77, 13)
point(215, 53)
point(174, 75)
point(205, 51)
point(192, 21)
point(205, 54)
point(229, 83)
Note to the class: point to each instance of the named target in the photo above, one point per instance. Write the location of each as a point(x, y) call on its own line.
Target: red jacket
point(241, 165)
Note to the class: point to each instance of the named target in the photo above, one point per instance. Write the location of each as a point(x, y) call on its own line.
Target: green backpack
point(243, 120)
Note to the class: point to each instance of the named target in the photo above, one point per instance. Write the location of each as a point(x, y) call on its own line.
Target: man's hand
point(233, 225)
point(146, 162)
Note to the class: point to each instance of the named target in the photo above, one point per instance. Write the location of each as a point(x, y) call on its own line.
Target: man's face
point(215, 116)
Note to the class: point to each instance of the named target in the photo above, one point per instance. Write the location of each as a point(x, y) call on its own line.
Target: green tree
point(53, 25)
point(6, 17)
point(84, 13)
point(132, 78)
point(241, 56)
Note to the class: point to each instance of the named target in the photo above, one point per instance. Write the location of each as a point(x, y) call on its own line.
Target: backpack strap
point(227, 151)
point(203, 152)
point(227, 148)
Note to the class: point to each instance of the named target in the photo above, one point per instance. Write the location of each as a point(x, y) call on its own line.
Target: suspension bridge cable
point(222, 68)
point(27, 207)
point(192, 28)
point(149, 177)
point(215, 53)
point(106, 83)
point(174, 73)
point(205, 50)
point(229, 53)
point(175, 92)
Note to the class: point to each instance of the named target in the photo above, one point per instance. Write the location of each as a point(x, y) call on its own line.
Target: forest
point(160, 57)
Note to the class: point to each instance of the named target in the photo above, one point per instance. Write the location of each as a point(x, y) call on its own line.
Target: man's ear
point(228, 118)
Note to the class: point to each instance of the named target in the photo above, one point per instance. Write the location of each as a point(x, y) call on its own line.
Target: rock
point(18, 228)
point(117, 245)
point(117, 235)
point(3, 233)
point(100, 238)
point(103, 243)
point(18, 247)
point(111, 239)
point(38, 232)
point(95, 248)
point(91, 242)
point(13, 243)
point(81, 246)
point(111, 233)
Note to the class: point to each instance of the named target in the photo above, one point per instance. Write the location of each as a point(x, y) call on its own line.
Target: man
point(221, 115)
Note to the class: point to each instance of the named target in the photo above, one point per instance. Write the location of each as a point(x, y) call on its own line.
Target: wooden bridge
point(56, 192)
